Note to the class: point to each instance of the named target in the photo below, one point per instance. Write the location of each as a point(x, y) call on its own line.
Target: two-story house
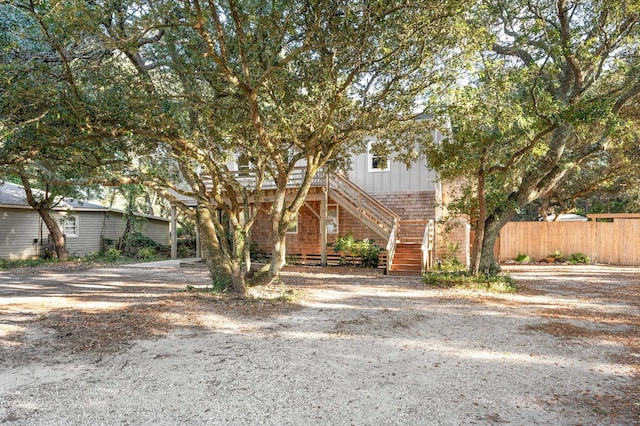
point(381, 199)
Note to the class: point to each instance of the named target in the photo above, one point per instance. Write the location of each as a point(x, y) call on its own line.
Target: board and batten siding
point(18, 229)
point(419, 177)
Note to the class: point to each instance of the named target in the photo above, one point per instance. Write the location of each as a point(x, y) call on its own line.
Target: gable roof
point(13, 195)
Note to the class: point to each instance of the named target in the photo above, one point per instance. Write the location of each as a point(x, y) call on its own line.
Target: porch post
point(174, 233)
point(323, 223)
point(198, 241)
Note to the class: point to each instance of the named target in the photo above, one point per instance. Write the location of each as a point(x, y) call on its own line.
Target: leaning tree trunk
point(56, 234)
point(220, 265)
point(493, 224)
point(45, 213)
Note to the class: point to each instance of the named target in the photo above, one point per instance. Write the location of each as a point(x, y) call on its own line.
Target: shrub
point(522, 258)
point(6, 264)
point(113, 255)
point(579, 257)
point(366, 250)
point(146, 253)
point(557, 256)
point(462, 280)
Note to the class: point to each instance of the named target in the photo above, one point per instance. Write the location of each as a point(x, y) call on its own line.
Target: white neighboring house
point(566, 217)
point(23, 234)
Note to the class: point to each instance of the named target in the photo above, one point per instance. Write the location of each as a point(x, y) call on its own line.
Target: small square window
point(243, 164)
point(377, 162)
point(70, 226)
point(332, 219)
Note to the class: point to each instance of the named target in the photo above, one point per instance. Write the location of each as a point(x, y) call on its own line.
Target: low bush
point(462, 280)
point(522, 258)
point(556, 256)
point(579, 257)
point(147, 253)
point(365, 250)
point(6, 264)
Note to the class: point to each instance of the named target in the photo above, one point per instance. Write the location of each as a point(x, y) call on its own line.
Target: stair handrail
point(391, 245)
point(427, 245)
point(366, 204)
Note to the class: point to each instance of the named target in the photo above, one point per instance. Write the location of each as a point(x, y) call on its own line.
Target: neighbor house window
point(70, 226)
point(332, 219)
point(242, 163)
point(377, 162)
point(293, 226)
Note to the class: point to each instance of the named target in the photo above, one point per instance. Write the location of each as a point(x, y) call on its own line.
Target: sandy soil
point(119, 345)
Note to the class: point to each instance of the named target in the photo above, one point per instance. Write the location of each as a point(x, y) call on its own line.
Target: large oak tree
point(551, 93)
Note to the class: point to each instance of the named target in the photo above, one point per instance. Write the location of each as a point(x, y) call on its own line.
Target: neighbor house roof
point(13, 195)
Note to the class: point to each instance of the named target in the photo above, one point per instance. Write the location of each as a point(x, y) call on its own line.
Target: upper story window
point(243, 164)
point(378, 162)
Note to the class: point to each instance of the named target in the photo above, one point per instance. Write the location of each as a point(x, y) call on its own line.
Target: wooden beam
point(614, 216)
point(323, 228)
point(312, 210)
point(174, 232)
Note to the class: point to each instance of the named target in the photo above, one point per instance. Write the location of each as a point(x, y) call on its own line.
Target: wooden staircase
point(407, 260)
point(408, 256)
point(406, 237)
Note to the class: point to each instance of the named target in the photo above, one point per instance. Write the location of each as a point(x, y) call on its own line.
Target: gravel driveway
point(120, 345)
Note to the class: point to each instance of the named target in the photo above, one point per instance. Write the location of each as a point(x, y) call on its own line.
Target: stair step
point(405, 273)
point(407, 258)
point(411, 240)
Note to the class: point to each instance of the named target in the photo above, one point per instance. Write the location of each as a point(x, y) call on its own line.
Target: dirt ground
point(121, 345)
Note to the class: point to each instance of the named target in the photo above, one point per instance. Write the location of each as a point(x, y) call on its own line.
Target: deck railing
point(366, 206)
point(247, 178)
point(428, 244)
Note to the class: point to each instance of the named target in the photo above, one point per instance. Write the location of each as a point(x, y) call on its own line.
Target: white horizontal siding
point(89, 230)
point(18, 229)
point(157, 230)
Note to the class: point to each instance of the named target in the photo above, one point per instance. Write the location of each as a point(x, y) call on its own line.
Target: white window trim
point(63, 226)
point(236, 165)
point(370, 161)
point(337, 231)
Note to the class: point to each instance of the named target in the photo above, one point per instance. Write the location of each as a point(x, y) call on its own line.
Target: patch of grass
point(218, 285)
point(462, 280)
point(6, 264)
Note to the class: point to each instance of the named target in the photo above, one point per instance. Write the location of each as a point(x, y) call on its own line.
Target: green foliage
point(147, 253)
point(579, 257)
point(448, 260)
point(292, 260)
point(363, 252)
point(220, 284)
point(462, 280)
point(523, 258)
point(6, 264)
point(113, 255)
point(557, 255)
point(523, 125)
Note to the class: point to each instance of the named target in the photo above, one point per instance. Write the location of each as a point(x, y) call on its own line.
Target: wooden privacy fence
point(616, 242)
